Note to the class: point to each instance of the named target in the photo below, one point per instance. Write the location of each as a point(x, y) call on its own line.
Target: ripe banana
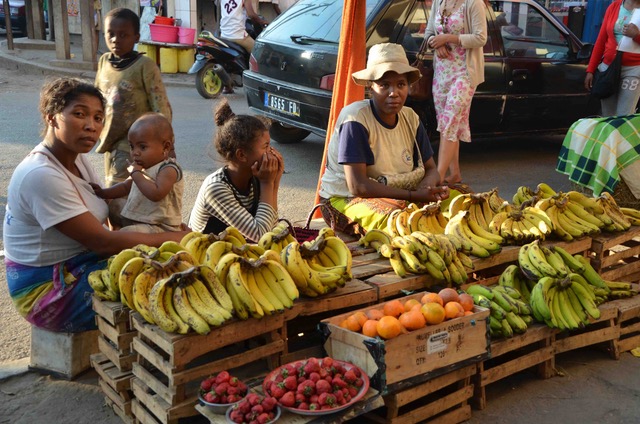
point(215, 287)
point(186, 311)
point(539, 260)
point(237, 282)
point(528, 269)
point(265, 290)
point(116, 266)
point(374, 238)
point(279, 277)
point(215, 251)
point(222, 267)
point(157, 306)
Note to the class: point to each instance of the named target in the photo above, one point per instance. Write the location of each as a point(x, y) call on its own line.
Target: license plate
point(281, 104)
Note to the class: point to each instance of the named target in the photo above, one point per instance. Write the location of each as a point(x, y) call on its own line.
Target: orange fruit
point(412, 320)
point(416, 307)
point(468, 313)
point(410, 304)
point(433, 313)
point(393, 308)
point(375, 314)
point(370, 328)
point(388, 327)
point(449, 295)
point(343, 324)
point(361, 317)
point(353, 324)
point(466, 300)
point(453, 310)
point(432, 297)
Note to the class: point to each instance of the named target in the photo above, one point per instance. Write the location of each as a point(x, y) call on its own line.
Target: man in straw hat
point(379, 157)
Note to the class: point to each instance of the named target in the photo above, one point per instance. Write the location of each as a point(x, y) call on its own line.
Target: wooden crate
point(535, 348)
point(604, 330)
point(115, 384)
point(628, 321)
point(301, 322)
point(413, 357)
point(170, 367)
point(443, 399)
point(116, 333)
point(616, 256)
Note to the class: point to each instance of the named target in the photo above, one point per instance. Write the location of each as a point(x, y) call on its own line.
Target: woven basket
point(622, 194)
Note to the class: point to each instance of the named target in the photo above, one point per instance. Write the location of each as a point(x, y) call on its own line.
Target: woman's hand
point(588, 81)
point(267, 169)
point(430, 194)
point(630, 30)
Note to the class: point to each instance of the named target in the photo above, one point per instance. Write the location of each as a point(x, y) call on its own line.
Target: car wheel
point(287, 134)
point(208, 84)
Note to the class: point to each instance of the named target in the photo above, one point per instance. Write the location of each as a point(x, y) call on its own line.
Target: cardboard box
point(413, 357)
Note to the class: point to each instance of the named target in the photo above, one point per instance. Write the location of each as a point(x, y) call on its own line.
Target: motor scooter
point(219, 63)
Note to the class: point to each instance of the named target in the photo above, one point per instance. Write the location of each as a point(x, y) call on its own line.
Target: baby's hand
point(97, 189)
point(133, 167)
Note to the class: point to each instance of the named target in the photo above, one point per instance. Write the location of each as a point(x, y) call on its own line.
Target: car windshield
point(311, 21)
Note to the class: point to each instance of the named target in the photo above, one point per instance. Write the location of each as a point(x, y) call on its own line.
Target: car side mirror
point(585, 52)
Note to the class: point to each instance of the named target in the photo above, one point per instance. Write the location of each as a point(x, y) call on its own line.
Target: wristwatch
point(382, 179)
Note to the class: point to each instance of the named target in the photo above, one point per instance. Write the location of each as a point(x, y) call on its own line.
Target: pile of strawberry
point(314, 384)
point(222, 388)
point(254, 409)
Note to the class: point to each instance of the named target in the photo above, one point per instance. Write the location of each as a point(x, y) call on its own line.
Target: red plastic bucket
point(161, 20)
point(186, 35)
point(164, 33)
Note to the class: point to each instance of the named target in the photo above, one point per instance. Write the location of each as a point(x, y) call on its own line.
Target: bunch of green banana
point(536, 261)
point(277, 238)
point(633, 215)
point(509, 312)
point(318, 267)
point(611, 209)
point(513, 277)
point(618, 290)
point(99, 281)
point(565, 303)
point(521, 225)
point(523, 194)
point(483, 243)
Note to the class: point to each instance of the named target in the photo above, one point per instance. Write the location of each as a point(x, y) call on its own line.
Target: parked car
point(18, 17)
point(534, 67)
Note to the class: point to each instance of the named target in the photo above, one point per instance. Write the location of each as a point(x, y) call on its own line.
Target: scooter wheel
point(208, 84)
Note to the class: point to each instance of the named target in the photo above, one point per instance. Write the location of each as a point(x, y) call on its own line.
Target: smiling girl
point(54, 233)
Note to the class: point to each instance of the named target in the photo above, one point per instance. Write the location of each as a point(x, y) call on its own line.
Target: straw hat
point(385, 57)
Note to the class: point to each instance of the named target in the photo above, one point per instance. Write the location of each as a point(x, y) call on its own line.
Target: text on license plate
point(281, 104)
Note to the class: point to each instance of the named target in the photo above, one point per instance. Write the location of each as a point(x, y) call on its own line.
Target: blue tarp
point(593, 19)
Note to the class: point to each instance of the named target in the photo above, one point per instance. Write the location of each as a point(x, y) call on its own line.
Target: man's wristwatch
point(382, 179)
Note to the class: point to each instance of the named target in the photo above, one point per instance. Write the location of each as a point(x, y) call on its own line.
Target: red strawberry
point(257, 409)
point(326, 407)
point(356, 371)
point(312, 365)
point(338, 383)
point(314, 406)
point(359, 382)
point(232, 390)
point(244, 406)
point(291, 382)
point(313, 399)
point(290, 369)
point(304, 406)
point(221, 388)
point(263, 418)
point(323, 373)
point(300, 398)
point(222, 377)
point(206, 384)
point(323, 386)
point(327, 362)
point(288, 399)
point(233, 381)
point(236, 416)
point(350, 376)
point(208, 397)
point(339, 368)
point(307, 388)
point(277, 390)
point(269, 404)
point(353, 391)
point(314, 376)
point(327, 399)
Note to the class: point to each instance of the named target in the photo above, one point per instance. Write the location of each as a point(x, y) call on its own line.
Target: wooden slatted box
point(603, 331)
point(628, 321)
point(616, 256)
point(116, 332)
point(116, 386)
point(170, 367)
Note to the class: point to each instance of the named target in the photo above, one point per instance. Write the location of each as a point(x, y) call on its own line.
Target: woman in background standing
point(615, 25)
point(457, 32)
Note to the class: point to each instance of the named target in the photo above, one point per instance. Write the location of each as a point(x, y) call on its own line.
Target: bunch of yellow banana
point(427, 253)
point(219, 248)
point(403, 222)
point(621, 221)
point(523, 194)
point(536, 261)
point(100, 281)
point(509, 312)
point(633, 215)
point(190, 298)
point(277, 238)
point(565, 303)
point(574, 215)
point(513, 277)
point(521, 225)
point(375, 238)
point(482, 242)
point(257, 287)
point(320, 266)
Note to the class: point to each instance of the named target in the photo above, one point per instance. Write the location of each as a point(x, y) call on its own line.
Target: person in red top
point(615, 25)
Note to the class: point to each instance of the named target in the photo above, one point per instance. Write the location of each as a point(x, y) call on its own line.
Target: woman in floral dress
point(457, 32)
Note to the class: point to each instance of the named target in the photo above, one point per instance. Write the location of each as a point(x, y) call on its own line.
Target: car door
point(488, 102)
point(544, 77)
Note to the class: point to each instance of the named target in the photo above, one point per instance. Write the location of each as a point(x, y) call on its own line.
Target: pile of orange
point(397, 317)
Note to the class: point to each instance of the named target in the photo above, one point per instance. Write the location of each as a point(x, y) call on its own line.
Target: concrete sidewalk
point(38, 57)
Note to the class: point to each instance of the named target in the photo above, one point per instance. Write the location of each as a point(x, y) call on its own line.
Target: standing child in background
point(244, 193)
point(155, 185)
point(132, 86)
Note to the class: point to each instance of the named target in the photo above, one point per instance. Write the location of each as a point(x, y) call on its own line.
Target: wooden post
point(87, 26)
point(7, 22)
point(52, 28)
point(28, 12)
point(61, 20)
point(37, 16)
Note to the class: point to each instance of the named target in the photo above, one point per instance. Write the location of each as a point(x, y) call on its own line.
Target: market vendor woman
point(54, 233)
point(379, 156)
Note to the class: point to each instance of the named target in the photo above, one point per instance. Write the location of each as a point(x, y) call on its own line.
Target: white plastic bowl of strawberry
point(254, 408)
point(221, 391)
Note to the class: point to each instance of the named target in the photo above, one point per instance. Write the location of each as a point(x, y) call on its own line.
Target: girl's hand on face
point(267, 169)
point(280, 159)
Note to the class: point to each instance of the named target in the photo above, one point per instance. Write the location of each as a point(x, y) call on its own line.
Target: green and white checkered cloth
point(595, 150)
